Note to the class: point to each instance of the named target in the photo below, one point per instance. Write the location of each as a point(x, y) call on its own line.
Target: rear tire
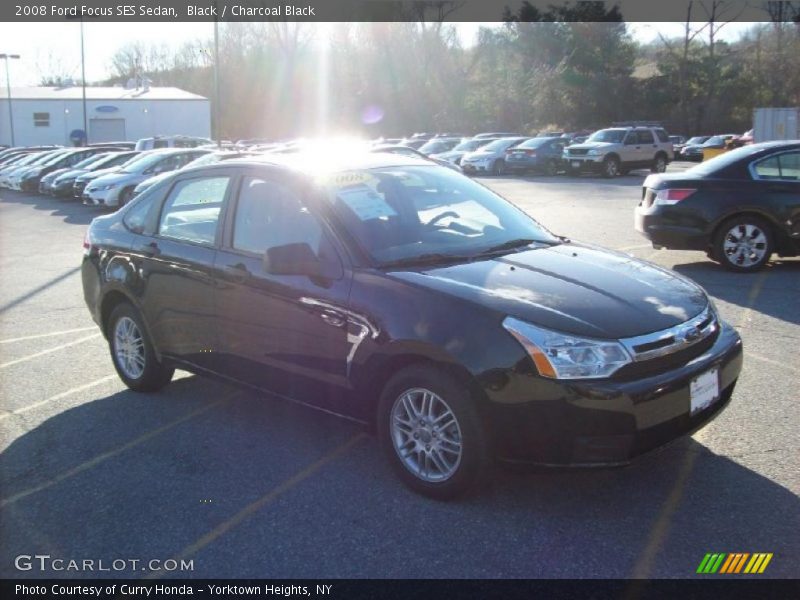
point(431, 432)
point(743, 244)
point(551, 168)
point(132, 352)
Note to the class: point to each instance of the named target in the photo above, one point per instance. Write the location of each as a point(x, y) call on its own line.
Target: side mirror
point(292, 259)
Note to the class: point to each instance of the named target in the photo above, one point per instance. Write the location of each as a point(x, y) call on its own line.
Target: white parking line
point(100, 458)
point(43, 335)
point(69, 392)
point(775, 363)
point(50, 351)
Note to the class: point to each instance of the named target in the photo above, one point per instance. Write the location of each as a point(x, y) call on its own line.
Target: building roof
point(98, 93)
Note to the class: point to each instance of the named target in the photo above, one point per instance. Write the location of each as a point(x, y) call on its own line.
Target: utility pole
point(217, 123)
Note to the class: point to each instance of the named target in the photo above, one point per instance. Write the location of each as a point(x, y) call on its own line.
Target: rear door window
point(645, 137)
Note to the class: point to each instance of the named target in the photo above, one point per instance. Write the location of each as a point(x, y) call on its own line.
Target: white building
point(48, 115)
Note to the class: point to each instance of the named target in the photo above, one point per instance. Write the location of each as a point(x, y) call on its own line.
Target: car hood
point(117, 178)
point(478, 154)
point(449, 155)
point(70, 174)
point(150, 181)
point(89, 176)
point(53, 174)
point(592, 145)
point(573, 288)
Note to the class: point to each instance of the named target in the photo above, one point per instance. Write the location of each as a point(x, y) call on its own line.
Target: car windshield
point(535, 142)
point(697, 140)
point(54, 159)
point(427, 214)
point(500, 144)
point(46, 158)
point(206, 159)
point(715, 141)
point(28, 160)
point(89, 160)
point(143, 163)
point(435, 146)
point(722, 161)
point(471, 145)
point(112, 160)
point(613, 136)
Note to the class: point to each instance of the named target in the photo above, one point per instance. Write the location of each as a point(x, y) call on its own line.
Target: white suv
point(618, 150)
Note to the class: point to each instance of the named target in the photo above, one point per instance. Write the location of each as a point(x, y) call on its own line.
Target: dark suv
point(411, 298)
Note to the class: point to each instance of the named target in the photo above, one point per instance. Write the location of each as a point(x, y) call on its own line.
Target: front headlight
point(110, 186)
point(594, 153)
point(564, 356)
point(31, 174)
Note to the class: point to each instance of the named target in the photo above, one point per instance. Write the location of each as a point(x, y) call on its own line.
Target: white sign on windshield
point(366, 203)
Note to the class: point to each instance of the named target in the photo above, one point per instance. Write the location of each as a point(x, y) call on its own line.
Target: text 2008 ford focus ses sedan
point(409, 297)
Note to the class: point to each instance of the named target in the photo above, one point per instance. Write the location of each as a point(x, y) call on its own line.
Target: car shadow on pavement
point(148, 475)
point(777, 286)
point(70, 209)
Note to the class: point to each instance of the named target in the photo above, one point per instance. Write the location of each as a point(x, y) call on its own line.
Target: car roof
point(309, 162)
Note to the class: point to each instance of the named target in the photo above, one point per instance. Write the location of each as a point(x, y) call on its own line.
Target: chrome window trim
point(686, 335)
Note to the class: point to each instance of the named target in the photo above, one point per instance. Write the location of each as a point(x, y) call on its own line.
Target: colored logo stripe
point(710, 563)
point(758, 563)
point(726, 563)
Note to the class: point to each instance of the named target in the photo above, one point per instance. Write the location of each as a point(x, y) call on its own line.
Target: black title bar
point(398, 10)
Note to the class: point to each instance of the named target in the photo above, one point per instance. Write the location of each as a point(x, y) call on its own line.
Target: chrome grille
point(674, 339)
point(578, 151)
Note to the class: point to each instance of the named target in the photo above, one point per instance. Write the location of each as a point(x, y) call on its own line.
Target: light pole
point(216, 84)
point(8, 89)
point(83, 88)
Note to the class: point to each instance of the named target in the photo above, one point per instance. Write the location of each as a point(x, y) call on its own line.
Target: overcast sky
point(50, 47)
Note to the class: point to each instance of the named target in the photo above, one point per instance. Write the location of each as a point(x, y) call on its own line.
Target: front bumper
point(608, 422)
point(584, 163)
point(481, 167)
point(101, 197)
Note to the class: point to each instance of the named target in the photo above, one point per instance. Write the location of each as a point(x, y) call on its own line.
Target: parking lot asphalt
point(245, 485)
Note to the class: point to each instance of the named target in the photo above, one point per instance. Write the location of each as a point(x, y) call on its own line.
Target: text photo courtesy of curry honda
point(407, 297)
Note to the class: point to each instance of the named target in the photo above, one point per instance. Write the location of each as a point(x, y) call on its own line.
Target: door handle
point(333, 318)
point(151, 249)
point(237, 272)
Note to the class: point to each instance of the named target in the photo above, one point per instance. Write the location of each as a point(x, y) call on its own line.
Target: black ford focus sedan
point(411, 298)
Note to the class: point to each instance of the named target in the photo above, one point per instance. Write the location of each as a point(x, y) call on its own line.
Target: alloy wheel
point(129, 348)
point(745, 245)
point(426, 435)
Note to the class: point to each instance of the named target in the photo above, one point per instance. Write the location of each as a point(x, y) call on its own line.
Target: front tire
point(499, 167)
point(551, 168)
point(132, 352)
point(610, 167)
point(743, 244)
point(430, 430)
point(659, 164)
point(125, 196)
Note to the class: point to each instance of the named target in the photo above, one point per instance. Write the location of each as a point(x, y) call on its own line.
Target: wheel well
point(613, 155)
point(380, 377)
point(110, 302)
point(750, 213)
point(661, 153)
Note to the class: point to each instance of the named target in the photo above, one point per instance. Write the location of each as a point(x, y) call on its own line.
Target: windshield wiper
point(434, 258)
point(512, 244)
